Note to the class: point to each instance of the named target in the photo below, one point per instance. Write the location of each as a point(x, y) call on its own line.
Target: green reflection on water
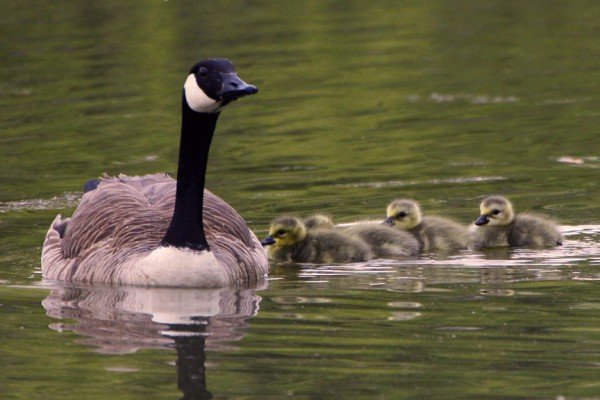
point(359, 103)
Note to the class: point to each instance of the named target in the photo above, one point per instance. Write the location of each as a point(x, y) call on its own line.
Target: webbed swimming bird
point(154, 231)
point(318, 221)
point(384, 241)
point(433, 233)
point(289, 240)
point(498, 226)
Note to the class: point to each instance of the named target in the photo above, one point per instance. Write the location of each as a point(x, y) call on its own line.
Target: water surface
point(359, 103)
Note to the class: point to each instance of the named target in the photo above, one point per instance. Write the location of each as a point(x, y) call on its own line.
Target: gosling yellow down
point(498, 226)
point(290, 240)
point(385, 242)
point(433, 233)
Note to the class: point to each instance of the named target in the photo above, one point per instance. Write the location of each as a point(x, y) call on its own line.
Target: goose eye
point(496, 212)
point(280, 232)
point(202, 71)
point(401, 214)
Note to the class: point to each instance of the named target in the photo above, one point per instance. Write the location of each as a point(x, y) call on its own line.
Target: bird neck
point(187, 228)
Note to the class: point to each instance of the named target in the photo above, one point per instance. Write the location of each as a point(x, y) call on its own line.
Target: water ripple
point(67, 200)
point(464, 98)
point(492, 266)
point(593, 162)
point(474, 179)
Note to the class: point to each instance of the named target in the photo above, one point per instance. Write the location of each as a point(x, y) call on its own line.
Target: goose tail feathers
point(54, 264)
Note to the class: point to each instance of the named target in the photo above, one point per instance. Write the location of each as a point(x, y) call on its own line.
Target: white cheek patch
point(197, 99)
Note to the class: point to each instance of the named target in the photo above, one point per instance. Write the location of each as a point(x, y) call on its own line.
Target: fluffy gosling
point(289, 240)
point(318, 221)
point(498, 226)
point(433, 233)
point(385, 242)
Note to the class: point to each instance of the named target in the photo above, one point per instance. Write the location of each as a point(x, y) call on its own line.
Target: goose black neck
point(187, 228)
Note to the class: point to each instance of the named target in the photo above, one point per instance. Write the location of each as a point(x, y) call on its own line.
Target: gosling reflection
point(125, 320)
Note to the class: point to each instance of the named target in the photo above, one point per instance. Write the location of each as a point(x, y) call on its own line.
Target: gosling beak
point(482, 220)
point(233, 88)
point(269, 240)
point(389, 221)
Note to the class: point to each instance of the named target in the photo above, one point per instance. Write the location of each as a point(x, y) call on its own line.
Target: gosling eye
point(280, 232)
point(496, 212)
point(401, 214)
point(202, 71)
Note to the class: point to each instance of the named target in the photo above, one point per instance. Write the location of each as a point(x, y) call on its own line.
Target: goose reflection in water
point(125, 320)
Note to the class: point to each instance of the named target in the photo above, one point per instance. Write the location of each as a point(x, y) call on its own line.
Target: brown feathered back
point(127, 217)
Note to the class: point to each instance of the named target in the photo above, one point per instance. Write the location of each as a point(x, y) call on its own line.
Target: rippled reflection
point(125, 320)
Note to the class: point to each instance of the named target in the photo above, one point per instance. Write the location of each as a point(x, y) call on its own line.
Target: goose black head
point(212, 84)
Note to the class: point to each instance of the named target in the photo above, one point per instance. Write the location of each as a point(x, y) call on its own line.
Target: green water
point(359, 103)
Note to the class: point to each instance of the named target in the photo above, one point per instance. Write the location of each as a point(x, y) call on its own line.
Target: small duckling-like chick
point(433, 233)
point(385, 242)
point(318, 221)
point(289, 240)
point(498, 226)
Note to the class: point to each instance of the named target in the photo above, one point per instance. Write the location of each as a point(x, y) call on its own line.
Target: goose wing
point(232, 242)
point(122, 212)
point(127, 217)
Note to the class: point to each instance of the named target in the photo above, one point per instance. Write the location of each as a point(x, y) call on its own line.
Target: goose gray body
point(125, 218)
point(156, 231)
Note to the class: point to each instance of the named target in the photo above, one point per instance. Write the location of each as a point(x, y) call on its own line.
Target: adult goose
point(153, 230)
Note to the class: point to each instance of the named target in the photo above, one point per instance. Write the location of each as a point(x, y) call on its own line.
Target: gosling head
point(212, 84)
point(285, 231)
point(403, 214)
point(495, 210)
point(318, 221)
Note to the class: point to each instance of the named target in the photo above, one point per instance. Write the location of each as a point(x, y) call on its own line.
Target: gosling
point(318, 221)
point(498, 226)
point(384, 241)
point(289, 240)
point(433, 233)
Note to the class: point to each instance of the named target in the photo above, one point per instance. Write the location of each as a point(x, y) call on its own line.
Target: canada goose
point(289, 240)
point(498, 225)
point(154, 231)
point(433, 233)
point(384, 241)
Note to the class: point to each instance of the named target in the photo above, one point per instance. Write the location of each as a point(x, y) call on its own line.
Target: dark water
point(359, 103)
